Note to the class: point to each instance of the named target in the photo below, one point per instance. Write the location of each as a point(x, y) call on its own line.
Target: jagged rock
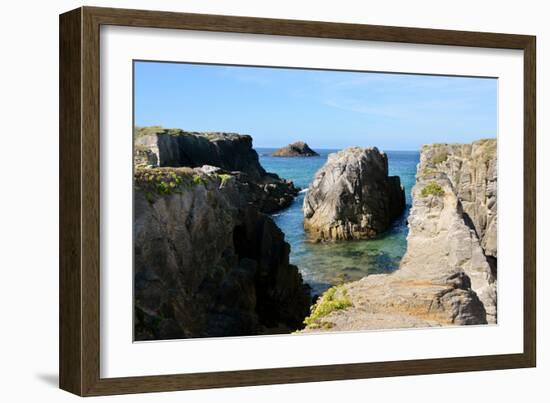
point(178, 148)
point(144, 157)
point(472, 169)
point(231, 152)
point(297, 149)
point(443, 279)
point(352, 196)
point(207, 262)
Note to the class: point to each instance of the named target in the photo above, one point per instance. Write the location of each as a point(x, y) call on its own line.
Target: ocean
point(326, 264)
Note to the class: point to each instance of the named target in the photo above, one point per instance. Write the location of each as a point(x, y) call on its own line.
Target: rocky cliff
point(352, 196)
point(155, 146)
point(207, 262)
point(445, 277)
point(472, 170)
point(297, 149)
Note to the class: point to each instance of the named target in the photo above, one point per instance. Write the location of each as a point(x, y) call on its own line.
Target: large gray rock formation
point(155, 146)
point(472, 170)
point(444, 278)
point(297, 149)
point(352, 196)
point(207, 262)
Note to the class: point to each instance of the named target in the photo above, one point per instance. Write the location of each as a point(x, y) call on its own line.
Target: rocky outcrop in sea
point(207, 261)
point(158, 147)
point(352, 196)
point(447, 276)
point(297, 149)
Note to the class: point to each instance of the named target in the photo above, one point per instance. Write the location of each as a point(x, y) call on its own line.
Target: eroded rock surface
point(159, 147)
point(472, 169)
point(352, 196)
point(297, 149)
point(207, 262)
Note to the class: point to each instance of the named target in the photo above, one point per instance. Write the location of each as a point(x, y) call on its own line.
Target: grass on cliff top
point(147, 130)
point(165, 181)
point(432, 188)
point(439, 157)
point(328, 303)
point(489, 148)
point(144, 131)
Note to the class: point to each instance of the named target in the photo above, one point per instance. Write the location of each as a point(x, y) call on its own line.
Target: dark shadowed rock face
point(207, 262)
point(155, 146)
point(298, 149)
point(352, 196)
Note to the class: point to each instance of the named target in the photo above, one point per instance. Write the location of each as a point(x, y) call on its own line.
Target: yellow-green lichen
point(165, 181)
point(432, 188)
point(198, 180)
point(224, 178)
point(439, 157)
point(334, 299)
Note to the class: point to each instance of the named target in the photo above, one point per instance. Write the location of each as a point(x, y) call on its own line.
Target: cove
point(326, 264)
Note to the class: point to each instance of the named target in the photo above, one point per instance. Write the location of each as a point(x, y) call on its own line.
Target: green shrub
point(198, 180)
point(439, 157)
point(164, 181)
point(327, 303)
point(163, 188)
point(432, 188)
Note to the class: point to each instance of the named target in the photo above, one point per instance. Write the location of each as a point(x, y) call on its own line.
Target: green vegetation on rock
point(167, 180)
point(439, 157)
point(432, 188)
point(211, 136)
point(428, 171)
point(224, 178)
point(164, 181)
point(198, 180)
point(328, 302)
point(144, 131)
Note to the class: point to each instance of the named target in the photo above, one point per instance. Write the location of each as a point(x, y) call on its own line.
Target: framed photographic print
point(249, 201)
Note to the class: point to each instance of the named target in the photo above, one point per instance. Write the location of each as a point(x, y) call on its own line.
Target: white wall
point(29, 201)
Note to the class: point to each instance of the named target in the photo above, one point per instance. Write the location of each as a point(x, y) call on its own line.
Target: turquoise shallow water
point(325, 264)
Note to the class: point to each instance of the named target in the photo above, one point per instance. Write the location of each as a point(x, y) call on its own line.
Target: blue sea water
point(325, 264)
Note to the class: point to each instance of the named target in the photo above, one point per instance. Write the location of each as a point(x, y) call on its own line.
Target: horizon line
point(333, 149)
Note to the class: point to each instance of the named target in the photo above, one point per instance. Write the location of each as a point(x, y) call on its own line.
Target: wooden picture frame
point(79, 200)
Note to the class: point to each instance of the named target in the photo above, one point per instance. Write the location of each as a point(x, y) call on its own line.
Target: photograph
point(296, 201)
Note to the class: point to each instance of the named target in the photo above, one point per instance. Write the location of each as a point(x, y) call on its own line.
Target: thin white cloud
point(355, 105)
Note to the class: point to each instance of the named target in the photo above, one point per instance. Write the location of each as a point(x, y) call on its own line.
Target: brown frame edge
point(79, 200)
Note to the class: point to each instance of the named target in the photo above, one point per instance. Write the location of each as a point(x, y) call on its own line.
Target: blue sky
point(327, 109)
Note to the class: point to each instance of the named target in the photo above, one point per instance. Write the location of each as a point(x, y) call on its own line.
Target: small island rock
point(297, 149)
